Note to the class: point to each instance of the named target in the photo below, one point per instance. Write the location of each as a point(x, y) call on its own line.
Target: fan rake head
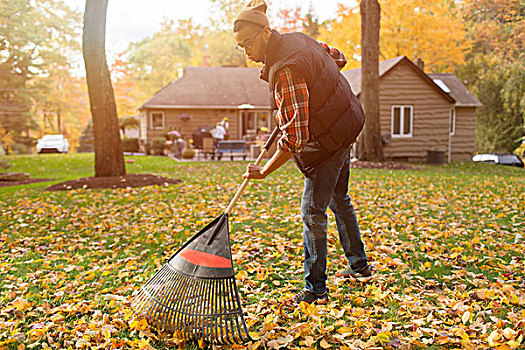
point(195, 291)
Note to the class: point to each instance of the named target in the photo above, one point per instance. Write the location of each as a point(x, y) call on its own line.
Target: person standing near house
point(319, 118)
point(218, 134)
point(226, 125)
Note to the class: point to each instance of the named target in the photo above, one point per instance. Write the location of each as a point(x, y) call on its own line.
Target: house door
point(252, 121)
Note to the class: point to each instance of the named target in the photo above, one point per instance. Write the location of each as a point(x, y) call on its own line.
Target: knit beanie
point(254, 12)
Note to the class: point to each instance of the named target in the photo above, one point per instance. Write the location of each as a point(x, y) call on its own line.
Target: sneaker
point(362, 275)
point(310, 297)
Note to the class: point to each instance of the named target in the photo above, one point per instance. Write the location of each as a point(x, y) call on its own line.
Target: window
point(452, 121)
point(401, 121)
point(156, 120)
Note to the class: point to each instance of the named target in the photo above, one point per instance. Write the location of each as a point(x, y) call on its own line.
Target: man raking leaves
point(319, 118)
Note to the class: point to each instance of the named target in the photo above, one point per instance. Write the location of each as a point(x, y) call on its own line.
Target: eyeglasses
point(247, 43)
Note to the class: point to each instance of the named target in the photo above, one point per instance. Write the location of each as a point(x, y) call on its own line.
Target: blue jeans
point(327, 186)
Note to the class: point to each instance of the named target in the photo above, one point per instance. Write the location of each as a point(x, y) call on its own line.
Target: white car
point(52, 143)
point(499, 158)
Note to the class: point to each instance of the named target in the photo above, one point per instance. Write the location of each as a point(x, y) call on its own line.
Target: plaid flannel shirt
point(291, 97)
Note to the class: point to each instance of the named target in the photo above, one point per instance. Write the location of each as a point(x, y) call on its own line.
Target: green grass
point(438, 237)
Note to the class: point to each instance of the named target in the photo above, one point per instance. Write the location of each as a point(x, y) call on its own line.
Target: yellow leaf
point(254, 335)
point(466, 316)
point(309, 341)
point(442, 340)
point(503, 347)
point(344, 330)
point(241, 275)
point(21, 304)
point(324, 344)
point(268, 319)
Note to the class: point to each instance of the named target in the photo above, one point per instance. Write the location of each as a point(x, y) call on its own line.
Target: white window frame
point(402, 121)
point(151, 120)
point(452, 122)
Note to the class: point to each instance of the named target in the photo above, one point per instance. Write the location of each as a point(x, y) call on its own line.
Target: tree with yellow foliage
point(430, 30)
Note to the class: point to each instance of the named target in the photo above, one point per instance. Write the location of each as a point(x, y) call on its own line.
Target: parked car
point(52, 143)
point(499, 158)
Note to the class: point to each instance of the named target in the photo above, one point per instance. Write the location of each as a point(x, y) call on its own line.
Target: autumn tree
point(220, 43)
point(127, 95)
point(494, 71)
point(62, 106)
point(289, 20)
point(156, 61)
point(369, 145)
point(311, 23)
point(430, 30)
point(37, 38)
point(344, 33)
point(109, 159)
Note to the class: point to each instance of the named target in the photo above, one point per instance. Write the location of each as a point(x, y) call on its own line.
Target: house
point(204, 96)
point(418, 111)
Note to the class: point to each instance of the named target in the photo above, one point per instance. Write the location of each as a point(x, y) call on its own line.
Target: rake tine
point(144, 298)
point(205, 308)
point(245, 328)
point(161, 300)
point(229, 315)
point(235, 317)
point(214, 325)
point(218, 315)
point(178, 303)
point(235, 309)
point(206, 334)
point(222, 307)
point(201, 317)
point(152, 293)
point(180, 307)
point(163, 321)
point(196, 308)
point(199, 308)
point(173, 285)
point(187, 306)
point(161, 310)
point(169, 315)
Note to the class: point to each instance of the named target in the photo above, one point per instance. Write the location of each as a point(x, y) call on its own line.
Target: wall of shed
point(403, 86)
point(464, 139)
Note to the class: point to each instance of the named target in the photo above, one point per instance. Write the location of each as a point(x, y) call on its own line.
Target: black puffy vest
point(336, 117)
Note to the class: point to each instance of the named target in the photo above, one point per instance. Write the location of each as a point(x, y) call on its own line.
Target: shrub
point(157, 146)
point(130, 145)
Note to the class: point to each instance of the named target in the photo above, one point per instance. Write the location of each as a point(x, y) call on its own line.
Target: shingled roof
point(458, 91)
point(213, 87)
point(458, 94)
point(354, 75)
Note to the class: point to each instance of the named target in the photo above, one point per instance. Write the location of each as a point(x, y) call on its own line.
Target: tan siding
point(199, 118)
point(464, 139)
point(403, 86)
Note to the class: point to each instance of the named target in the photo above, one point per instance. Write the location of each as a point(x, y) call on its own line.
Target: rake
point(195, 292)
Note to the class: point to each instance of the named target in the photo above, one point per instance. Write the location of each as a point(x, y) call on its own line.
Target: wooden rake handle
point(265, 149)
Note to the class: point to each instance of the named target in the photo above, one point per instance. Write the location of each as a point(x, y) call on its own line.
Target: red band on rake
point(199, 258)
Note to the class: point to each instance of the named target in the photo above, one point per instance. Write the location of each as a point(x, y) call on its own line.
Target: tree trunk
point(370, 146)
point(109, 159)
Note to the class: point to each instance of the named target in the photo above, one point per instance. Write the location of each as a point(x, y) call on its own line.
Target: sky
point(132, 20)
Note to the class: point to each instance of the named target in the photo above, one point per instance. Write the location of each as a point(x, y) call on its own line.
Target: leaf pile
point(443, 241)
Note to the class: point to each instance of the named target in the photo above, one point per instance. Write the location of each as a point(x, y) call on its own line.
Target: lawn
point(443, 240)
